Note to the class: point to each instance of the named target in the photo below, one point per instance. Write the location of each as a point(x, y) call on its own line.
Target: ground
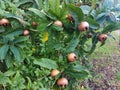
point(106, 65)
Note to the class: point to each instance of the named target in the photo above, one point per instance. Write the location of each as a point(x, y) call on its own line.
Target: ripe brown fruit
point(4, 22)
point(69, 17)
point(54, 72)
point(72, 57)
point(26, 32)
point(35, 24)
point(102, 37)
point(62, 82)
point(83, 26)
point(58, 23)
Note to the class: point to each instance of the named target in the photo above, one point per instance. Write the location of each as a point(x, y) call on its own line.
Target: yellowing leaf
point(33, 49)
point(45, 37)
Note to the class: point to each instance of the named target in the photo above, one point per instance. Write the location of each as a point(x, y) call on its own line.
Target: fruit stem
point(50, 23)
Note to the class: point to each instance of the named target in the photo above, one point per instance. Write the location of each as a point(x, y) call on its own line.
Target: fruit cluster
point(63, 81)
point(82, 26)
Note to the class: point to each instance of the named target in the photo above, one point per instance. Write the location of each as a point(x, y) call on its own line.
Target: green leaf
point(55, 6)
point(72, 45)
point(78, 68)
point(57, 28)
point(77, 14)
point(29, 83)
point(3, 79)
point(101, 18)
point(19, 18)
point(9, 73)
point(86, 9)
point(39, 3)
point(17, 82)
point(46, 63)
point(111, 18)
point(42, 26)
point(20, 39)
point(8, 60)
point(38, 12)
point(23, 2)
point(13, 34)
point(2, 29)
point(93, 24)
point(15, 52)
point(2, 5)
point(46, 5)
point(111, 27)
point(77, 11)
point(44, 89)
point(77, 71)
point(3, 51)
point(79, 75)
point(94, 42)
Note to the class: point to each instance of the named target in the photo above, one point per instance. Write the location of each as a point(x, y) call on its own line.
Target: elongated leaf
point(111, 18)
point(77, 14)
point(94, 42)
point(57, 28)
point(20, 39)
point(2, 4)
point(9, 73)
point(73, 44)
point(18, 82)
point(93, 24)
point(77, 71)
point(79, 75)
point(78, 68)
point(13, 34)
point(29, 83)
point(38, 12)
point(46, 5)
point(38, 3)
point(2, 29)
point(78, 11)
point(46, 63)
point(8, 60)
point(55, 6)
point(2, 12)
point(111, 27)
point(101, 18)
point(86, 9)
point(3, 51)
point(15, 52)
point(3, 79)
point(19, 18)
point(23, 2)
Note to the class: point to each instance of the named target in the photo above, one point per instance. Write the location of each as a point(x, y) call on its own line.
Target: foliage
point(28, 60)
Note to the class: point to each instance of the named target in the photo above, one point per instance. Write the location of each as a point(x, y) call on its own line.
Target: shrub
point(29, 52)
